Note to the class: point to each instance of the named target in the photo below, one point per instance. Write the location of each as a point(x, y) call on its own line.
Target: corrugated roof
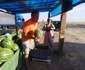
point(26, 6)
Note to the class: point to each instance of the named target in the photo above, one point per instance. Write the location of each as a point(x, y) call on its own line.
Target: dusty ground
point(74, 51)
point(74, 48)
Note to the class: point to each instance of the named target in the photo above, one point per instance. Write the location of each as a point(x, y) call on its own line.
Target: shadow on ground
point(73, 58)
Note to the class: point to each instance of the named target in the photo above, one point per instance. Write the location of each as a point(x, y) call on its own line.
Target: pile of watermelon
point(8, 46)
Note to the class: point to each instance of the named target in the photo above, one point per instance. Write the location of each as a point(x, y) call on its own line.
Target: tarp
point(69, 4)
point(26, 6)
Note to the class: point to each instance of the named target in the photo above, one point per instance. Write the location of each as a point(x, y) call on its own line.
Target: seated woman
point(49, 36)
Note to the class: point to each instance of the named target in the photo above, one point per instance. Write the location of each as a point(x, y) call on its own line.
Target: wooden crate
point(15, 62)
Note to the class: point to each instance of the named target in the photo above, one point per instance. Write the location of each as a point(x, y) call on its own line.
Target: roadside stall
point(15, 59)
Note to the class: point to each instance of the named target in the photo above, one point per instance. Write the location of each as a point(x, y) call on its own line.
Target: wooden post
point(62, 32)
point(66, 6)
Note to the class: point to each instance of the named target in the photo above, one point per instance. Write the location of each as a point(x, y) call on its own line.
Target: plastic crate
point(15, 62)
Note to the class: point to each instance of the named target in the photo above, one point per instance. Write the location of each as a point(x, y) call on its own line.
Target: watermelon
point(5, 54)
point(6, 43)
point(15, 47)
point(38, 33)
point(13, 34)
point(0, 47)
point(0, 63)
point(19, 35)
point(1, 38)
point(9, 36)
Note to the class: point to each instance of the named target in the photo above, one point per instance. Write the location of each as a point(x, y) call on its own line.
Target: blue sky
point(77, 14)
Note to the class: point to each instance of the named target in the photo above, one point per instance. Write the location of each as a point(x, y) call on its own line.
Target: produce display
point(15, 47)
point(5, 54)
point(7, 43)
point(8, 46)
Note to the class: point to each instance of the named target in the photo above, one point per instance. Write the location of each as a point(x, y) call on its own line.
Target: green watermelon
point(0, 63)
point(9, 36)
point(38, 33)
point(13, 34)
point(1, 38)
point(19, 35)
point(0, 47)
point(15, 47)
point(6, 43)
point(5, 54)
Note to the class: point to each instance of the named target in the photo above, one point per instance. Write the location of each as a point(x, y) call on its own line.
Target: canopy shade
point(26, 6)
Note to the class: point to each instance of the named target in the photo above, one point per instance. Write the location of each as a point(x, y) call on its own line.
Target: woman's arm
point(52, 27)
